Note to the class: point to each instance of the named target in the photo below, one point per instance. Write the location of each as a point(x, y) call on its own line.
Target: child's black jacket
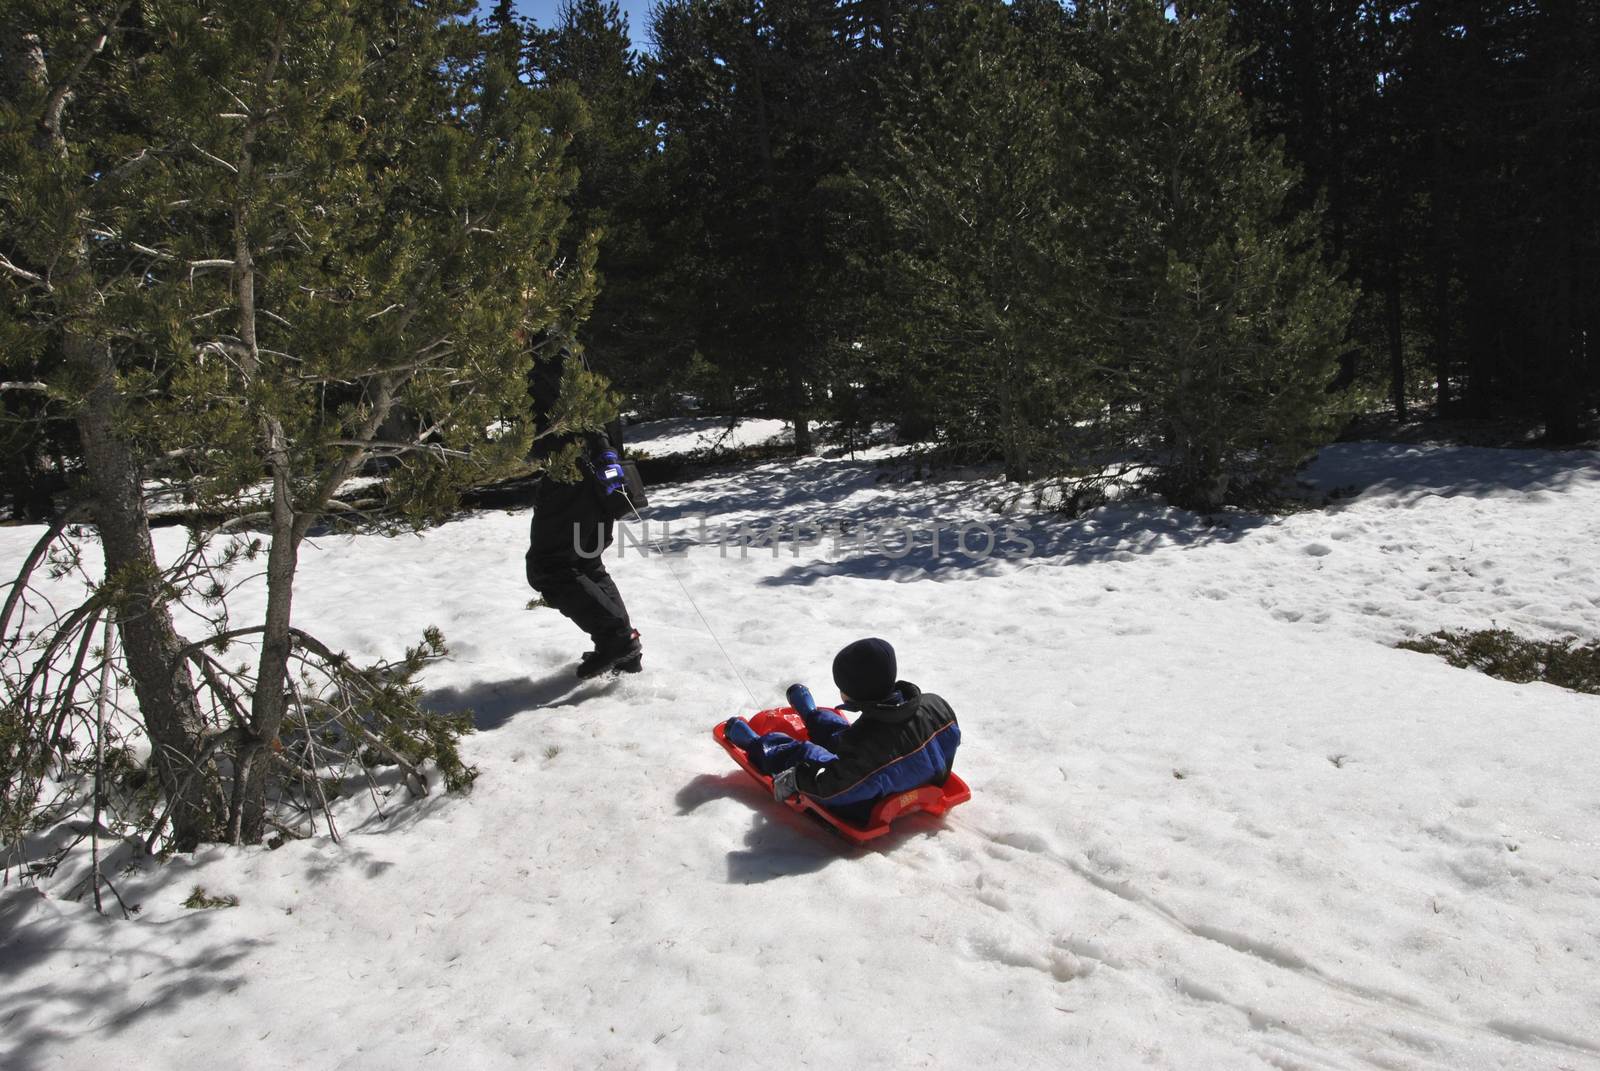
point(893, 746)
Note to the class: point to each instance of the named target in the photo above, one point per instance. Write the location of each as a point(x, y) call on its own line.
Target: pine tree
point(1456, 143)
point(589, 53)
point(65, 178)
point(311, 237)
point(1222, 319)
point(982, 309)
point(746, 92)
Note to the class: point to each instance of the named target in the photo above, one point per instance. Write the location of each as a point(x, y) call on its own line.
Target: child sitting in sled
point(903, 739)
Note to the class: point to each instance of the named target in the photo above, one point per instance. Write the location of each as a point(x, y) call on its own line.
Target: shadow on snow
point(781, 842)
point(1411, 472)
point(79, 1002)
point(493, 703)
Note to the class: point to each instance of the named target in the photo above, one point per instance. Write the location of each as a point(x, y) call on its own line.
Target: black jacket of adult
point(569, 529)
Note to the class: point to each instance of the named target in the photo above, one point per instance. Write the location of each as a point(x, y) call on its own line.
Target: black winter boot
point(623, 654)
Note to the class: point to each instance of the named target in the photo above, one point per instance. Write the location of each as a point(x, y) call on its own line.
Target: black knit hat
point(865, 670)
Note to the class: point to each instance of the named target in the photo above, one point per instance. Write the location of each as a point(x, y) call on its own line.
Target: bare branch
point(219, 161)
point(133, 164)
point(22, 273)
point(159, 255)
point(31, 562)
point(243, 107)
point(244, 521)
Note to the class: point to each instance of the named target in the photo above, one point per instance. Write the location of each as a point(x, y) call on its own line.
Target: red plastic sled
point(933, 799)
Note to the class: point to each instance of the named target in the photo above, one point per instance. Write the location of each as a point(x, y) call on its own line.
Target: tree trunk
point(1392, 298)
point(1433, 35)
point(161, 680)
point(247, 812)
point(246, 822)
point(1441, 286)
point(1486, 319)
point(1397, 351)
point(803, 443)
point(791, 354)
point(1013, 435)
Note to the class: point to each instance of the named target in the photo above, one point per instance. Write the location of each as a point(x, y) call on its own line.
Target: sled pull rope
point(709, 630)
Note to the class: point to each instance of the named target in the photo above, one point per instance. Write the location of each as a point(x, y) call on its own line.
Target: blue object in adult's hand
point(800, 699)
point(610, 471)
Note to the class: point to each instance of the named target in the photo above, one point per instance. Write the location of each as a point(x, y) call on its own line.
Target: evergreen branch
point(216, 676)
point(62, 635)
point(353, 726)
point(435, 344)
point(56, 102)
point(392, 449)
point(123, 170)
point(410, 367)
point(356, 448)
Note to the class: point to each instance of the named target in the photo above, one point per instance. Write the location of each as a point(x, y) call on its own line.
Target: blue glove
point(609, 470)
point(800, 699)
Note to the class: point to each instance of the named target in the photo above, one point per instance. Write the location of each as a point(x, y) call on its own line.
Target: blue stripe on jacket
point(929, 763)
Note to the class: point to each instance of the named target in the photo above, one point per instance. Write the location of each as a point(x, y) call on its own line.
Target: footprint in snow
point(1027, 842)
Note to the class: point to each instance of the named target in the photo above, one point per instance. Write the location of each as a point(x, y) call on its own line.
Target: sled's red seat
point(934, 799)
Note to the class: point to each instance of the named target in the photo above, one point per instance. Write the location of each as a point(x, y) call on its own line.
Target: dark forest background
point(765, 169)
point(1193, 236)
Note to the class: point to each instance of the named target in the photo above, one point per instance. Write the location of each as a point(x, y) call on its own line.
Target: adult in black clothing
point(570, 531)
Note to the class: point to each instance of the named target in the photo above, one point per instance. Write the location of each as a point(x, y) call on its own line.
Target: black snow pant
point(565, 563)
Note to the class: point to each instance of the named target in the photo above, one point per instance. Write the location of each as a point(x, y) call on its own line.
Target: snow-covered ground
point(703, 435)
point(1218, 821)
